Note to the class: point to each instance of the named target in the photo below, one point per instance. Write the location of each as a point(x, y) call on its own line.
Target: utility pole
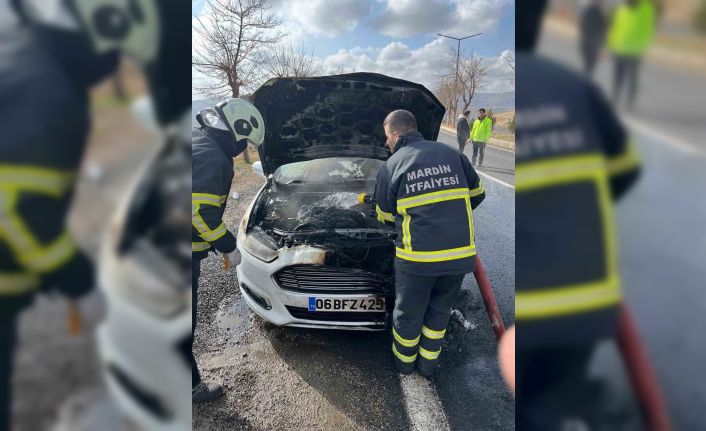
point(458, 58)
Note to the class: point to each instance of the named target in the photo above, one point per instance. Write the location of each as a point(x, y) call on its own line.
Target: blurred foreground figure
point(573, 160)
point(592, 30)
point(50, 54)
point(45, 72)
point(631, 31)
point(223, 133)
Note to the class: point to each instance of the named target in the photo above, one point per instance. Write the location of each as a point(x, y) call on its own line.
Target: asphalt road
point(661, 226)
point(498, 163)
point(296, 379)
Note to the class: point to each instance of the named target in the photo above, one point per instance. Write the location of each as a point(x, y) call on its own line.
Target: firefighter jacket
point(45, 109)
point(573, 159)
point(212, 152)
point(428, 190)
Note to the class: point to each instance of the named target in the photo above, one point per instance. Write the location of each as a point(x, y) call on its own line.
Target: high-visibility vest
point(632, 29)
point(481, 129)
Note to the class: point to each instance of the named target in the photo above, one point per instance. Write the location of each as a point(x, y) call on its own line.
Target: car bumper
point(288, 308)
point(145, 358)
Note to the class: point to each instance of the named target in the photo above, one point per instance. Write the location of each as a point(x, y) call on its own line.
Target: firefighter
point(224, 132)
point(427, 190)
point(573, 160)
point(51, 57)
point(480, 133)
point(45, 107)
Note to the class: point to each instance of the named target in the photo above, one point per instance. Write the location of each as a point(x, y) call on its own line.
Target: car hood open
point(337, 116)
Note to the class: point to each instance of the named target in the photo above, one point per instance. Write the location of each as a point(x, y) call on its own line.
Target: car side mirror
point(257, 168)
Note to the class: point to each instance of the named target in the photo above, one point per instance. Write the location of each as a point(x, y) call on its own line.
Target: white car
point(312, 256)
point(144, 273)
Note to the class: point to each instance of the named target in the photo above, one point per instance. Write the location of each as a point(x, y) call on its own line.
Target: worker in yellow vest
point(630, 34)
point(480, 133)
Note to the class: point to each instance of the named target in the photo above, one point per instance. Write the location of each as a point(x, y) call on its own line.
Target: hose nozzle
point(365, 198)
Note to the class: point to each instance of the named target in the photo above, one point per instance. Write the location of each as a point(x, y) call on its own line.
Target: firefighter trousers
point(8, 342)
point(422, 310)
point(195, 274)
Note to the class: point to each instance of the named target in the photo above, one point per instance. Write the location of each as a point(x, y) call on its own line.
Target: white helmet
point(243, 120)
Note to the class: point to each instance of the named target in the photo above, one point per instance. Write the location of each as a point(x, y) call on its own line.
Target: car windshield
point(334, 169)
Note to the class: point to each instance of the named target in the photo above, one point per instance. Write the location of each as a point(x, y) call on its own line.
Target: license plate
point(346, 304)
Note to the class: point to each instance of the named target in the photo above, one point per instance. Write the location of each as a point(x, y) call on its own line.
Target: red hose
point(642, 377)
point(486, 291)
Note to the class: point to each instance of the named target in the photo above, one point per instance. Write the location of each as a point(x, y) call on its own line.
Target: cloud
point(502, 75)
point(422, 65)
point(403, 18)
point(395, 51)
point(326, 17)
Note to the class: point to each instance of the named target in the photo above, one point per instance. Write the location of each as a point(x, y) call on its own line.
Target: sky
point(397, 37)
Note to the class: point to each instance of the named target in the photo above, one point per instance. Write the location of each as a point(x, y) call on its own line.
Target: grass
point(503, 136)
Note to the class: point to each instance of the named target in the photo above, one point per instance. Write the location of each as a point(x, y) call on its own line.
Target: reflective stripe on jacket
point(429, 190)
point(481, 130)
point(35, 247)
point(211, 176)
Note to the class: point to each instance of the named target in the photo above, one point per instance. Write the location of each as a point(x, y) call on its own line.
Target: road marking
point(423, 405)
point(671, 141)
point(494, 147)
point(492, 178)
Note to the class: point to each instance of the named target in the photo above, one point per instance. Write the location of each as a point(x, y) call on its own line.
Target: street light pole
point(458, 58)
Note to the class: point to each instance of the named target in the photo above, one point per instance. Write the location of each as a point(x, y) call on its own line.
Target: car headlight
point(260, 245)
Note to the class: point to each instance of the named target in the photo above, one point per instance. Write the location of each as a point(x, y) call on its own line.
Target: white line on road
point(671, 141)
point(494, 147)
point(423, 405)
point(492, 178)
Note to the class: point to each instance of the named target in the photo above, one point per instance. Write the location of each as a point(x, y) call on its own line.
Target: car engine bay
point(315, 215)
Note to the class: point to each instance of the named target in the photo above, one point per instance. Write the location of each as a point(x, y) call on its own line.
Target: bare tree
point(473, 74)
point(340, 69)
point(510, 59)
point(230, 37)
point(447, 94)
point(284, 60)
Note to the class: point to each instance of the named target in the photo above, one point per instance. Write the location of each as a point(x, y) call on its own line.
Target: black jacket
point(592, 27)
point(44, 109)
point(463, 129)
point(212, 152)
point(428, 190)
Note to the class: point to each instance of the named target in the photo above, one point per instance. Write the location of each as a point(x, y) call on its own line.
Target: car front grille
point(323, 279)
point(337, 316)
